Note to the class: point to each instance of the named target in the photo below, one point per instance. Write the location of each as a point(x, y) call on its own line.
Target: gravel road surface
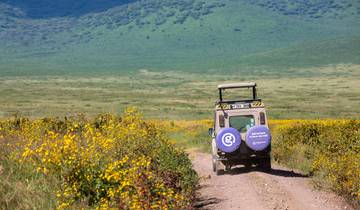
point(244, 188)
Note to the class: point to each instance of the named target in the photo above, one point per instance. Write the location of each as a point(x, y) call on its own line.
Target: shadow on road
point(276, 172)
point(285, 173)
point(205, 203)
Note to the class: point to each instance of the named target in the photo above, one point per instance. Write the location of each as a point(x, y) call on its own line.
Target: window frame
point(248, 114)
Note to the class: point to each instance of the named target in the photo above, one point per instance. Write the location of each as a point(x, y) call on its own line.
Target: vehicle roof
point(237, 85)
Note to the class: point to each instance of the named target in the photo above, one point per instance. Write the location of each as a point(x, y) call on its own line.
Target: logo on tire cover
point(228, 139)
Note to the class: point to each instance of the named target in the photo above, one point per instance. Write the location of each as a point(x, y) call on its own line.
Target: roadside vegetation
point(188, 134)
point(328, 150)
point(122, 162)
point(129, 162)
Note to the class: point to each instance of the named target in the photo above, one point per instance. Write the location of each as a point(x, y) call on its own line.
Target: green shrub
point(108, 162)
point(329, 149)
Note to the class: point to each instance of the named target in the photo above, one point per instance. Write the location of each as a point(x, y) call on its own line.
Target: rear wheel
point(219, 170)
point(214, 154)
point(213, 164)
point(265, 163)
point(248, 164)
point(217, 166)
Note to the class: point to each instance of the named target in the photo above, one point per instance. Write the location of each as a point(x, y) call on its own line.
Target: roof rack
point(237, 85)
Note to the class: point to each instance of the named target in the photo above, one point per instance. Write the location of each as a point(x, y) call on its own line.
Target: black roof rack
point(237, 85)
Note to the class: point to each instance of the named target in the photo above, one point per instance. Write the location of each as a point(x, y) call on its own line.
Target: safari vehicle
point(240, 135)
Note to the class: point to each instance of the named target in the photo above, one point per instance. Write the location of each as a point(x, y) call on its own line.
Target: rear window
point(242, 123)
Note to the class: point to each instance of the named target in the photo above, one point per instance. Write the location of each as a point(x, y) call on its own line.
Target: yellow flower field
point(327, 149)
point(130, 163)
point(108, 162)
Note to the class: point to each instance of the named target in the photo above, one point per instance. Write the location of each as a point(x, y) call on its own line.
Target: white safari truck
point(240, 135)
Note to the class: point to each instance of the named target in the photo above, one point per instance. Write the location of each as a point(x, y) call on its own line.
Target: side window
point(242, 122)
point(262, 118)
point(221, 121)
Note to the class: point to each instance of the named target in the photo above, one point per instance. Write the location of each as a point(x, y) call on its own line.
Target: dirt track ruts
point(244, 188)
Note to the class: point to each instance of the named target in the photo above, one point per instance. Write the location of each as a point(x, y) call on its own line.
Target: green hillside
point(189, 35)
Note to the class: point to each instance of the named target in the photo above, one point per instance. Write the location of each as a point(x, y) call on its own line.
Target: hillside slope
point(188, 35)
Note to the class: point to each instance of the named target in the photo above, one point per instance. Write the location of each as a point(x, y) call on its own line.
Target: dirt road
point(251, 189)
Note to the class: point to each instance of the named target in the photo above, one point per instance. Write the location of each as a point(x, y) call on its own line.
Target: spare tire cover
point(228, 140)
point(258, 137)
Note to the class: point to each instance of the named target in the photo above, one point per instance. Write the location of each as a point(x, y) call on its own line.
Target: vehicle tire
point(219, 172)
point(213, 164)
point(248, 164)
point(218, 169)
point(265, 164)
point(214, 154)
point(216, 164)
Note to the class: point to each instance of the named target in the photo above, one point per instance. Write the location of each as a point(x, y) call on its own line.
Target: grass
point(22, 188)
point(326, 92)
point(188, 134)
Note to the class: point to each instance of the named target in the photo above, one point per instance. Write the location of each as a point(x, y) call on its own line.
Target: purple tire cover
point(258, 137)
point(228, 140)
